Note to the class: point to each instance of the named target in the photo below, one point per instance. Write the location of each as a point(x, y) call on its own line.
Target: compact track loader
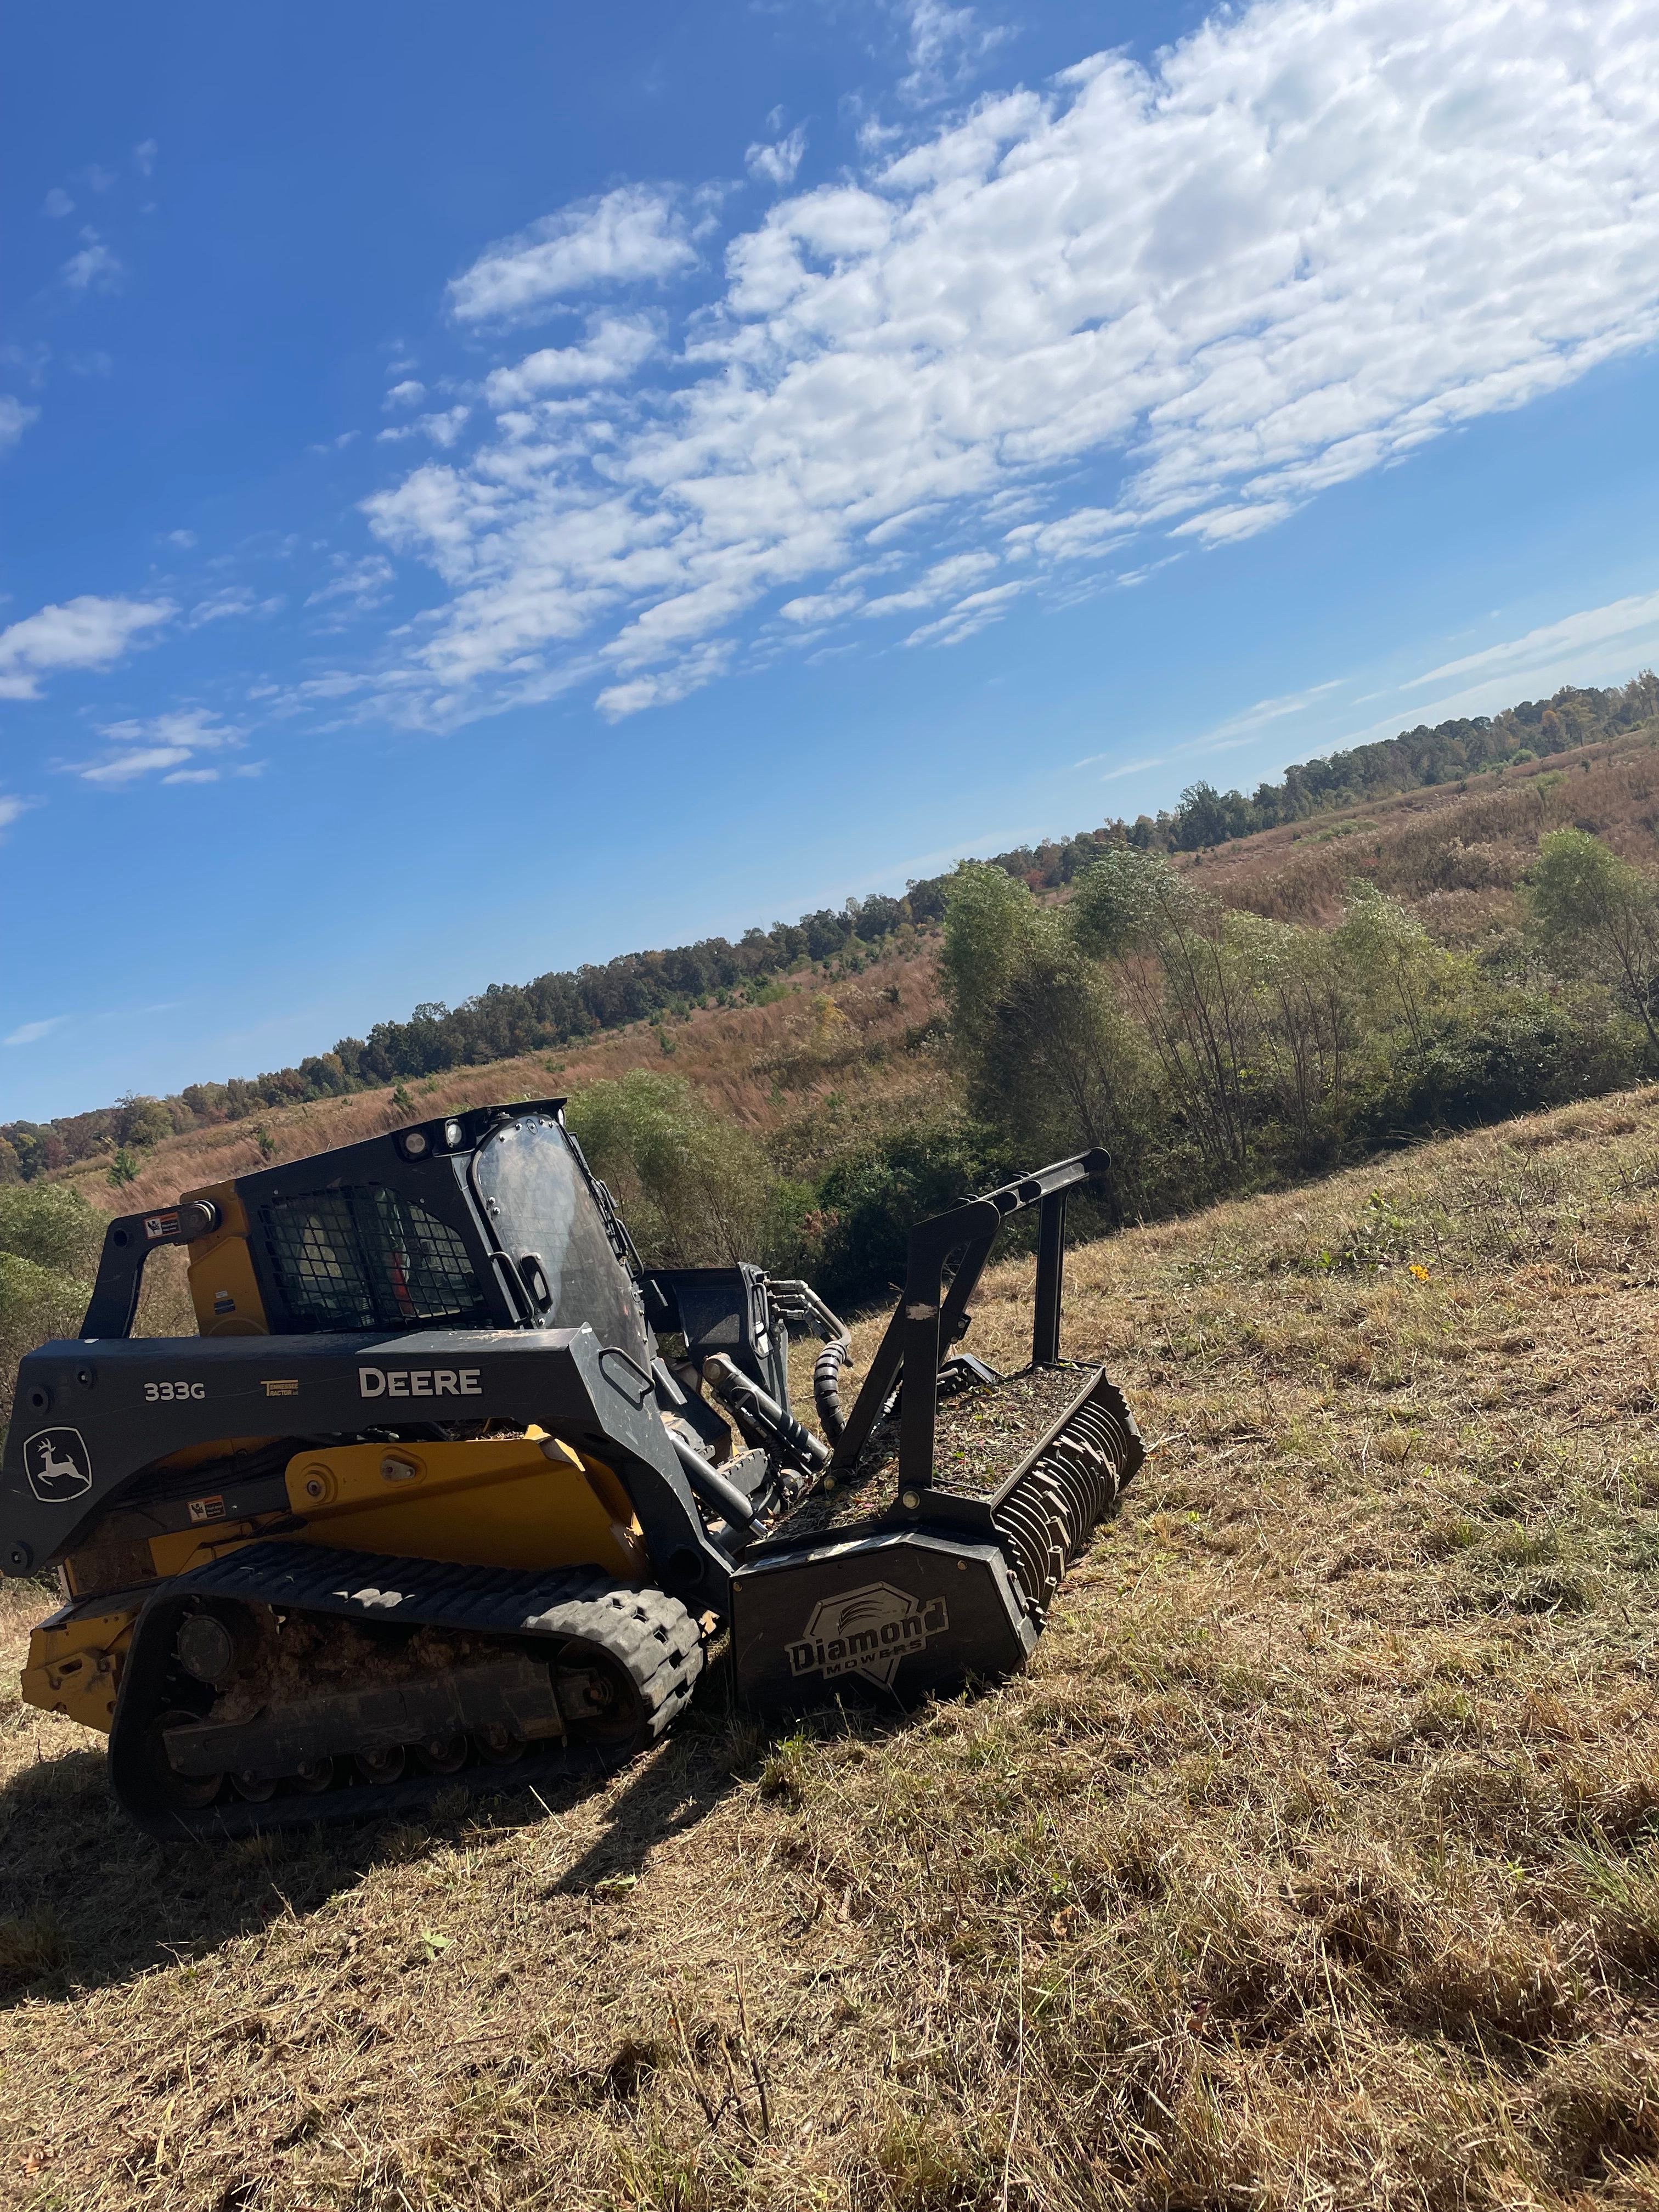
point(450, 1490)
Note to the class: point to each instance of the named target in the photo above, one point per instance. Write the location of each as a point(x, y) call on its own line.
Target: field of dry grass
point(1455, 853)
point(1314, 1861)
point(822, 1053)
point(824, 1067)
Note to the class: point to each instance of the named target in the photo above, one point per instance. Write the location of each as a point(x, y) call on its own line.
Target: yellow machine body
point(223, 1287)
point(74, 1665)
point(495, 1503)
point(528, 1501)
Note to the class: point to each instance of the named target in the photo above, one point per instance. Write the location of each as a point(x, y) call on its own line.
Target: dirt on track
point(1314, 1861)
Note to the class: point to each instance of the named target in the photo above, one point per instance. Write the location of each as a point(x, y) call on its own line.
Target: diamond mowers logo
point(866, 1631)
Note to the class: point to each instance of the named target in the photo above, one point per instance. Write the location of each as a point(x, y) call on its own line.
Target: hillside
point(563, 1011)
point(815, 1121)
point(1453, 855)
point(1314, 1861)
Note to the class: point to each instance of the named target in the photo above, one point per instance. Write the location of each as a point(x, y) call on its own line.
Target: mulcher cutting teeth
point(1047, 1510)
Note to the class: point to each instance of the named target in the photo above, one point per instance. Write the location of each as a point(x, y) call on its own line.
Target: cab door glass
point(548, 1223)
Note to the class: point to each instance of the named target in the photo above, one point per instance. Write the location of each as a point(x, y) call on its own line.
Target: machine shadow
point(89, 1901)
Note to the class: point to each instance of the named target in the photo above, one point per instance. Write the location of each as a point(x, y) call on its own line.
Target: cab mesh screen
point(367, 1258)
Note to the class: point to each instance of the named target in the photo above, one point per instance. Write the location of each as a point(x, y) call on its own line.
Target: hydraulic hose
point(826, 1390)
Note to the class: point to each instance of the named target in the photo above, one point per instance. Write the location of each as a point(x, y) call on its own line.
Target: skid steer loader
point(450, 1490)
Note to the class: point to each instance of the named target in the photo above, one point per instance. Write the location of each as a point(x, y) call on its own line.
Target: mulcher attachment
point(948, 1577)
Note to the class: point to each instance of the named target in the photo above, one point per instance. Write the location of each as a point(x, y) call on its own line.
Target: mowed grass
point(1313, 1862)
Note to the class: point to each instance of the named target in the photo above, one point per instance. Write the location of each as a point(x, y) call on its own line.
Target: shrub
point(869, 1202)
point(49, 1244)
point(1517, 1051)
point(694, 1189)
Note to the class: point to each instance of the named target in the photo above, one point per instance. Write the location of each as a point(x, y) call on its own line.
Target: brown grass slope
point(1314, 1861)
point(807, 1070)
point(825, 1066)
point(1455, 853)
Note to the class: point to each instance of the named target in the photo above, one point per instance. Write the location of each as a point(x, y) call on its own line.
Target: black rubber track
point(645, 1632)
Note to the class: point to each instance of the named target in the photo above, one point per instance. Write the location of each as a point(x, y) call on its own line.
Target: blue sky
point(489, 490)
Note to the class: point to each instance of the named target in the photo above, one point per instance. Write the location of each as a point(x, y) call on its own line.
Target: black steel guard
point(929, 1319)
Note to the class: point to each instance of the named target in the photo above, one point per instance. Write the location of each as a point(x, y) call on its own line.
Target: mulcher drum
point(863, 1591)
point(644, 1635)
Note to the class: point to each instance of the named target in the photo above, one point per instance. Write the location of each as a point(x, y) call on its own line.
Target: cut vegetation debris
point(1314, 1860)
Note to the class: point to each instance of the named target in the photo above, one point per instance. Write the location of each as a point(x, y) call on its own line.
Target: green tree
point(49, 1243)
point(1399, 976)
point(140, 1122)
point(1597, 913)
point(1048, 1056)
point(1176, 959)
point(694, 1189)
point(992, 926)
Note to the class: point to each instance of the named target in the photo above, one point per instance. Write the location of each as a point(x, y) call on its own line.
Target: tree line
point(562, 1008)
point(1415, 759)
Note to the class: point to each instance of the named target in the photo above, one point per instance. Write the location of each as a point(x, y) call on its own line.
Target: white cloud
point(232, 600)
point(158, 742)
point(697, 668)
point(184, 539)
point(637, 232)
point(443, 428)
point(1159, 307)
point(14, 419)
point(1245, 726)
point(10, 809)
point(32, 1032)
point(124, 767)
point(946, 44)
point(968, 618)
point(143, 155)
point(97, 179)
point(33, 359)
point(409, 393)
point(338, 684)
point(198, 727)
point(57, 203)
point(82, 633)
point(94, 268)
point(355, 586)
point(1598, 645)
point(1632, 622)
point(614, 348)
point(776, 163)
point(822, 606)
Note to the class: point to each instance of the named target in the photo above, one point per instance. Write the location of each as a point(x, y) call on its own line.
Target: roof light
point(454, 1135)
point(416, 1144)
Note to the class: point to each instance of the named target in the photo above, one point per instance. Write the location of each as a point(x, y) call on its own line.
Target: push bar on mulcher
point(928, 1319)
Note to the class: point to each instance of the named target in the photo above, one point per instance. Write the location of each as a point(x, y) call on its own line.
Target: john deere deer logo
point(866, 1631)
point(57, 1464)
